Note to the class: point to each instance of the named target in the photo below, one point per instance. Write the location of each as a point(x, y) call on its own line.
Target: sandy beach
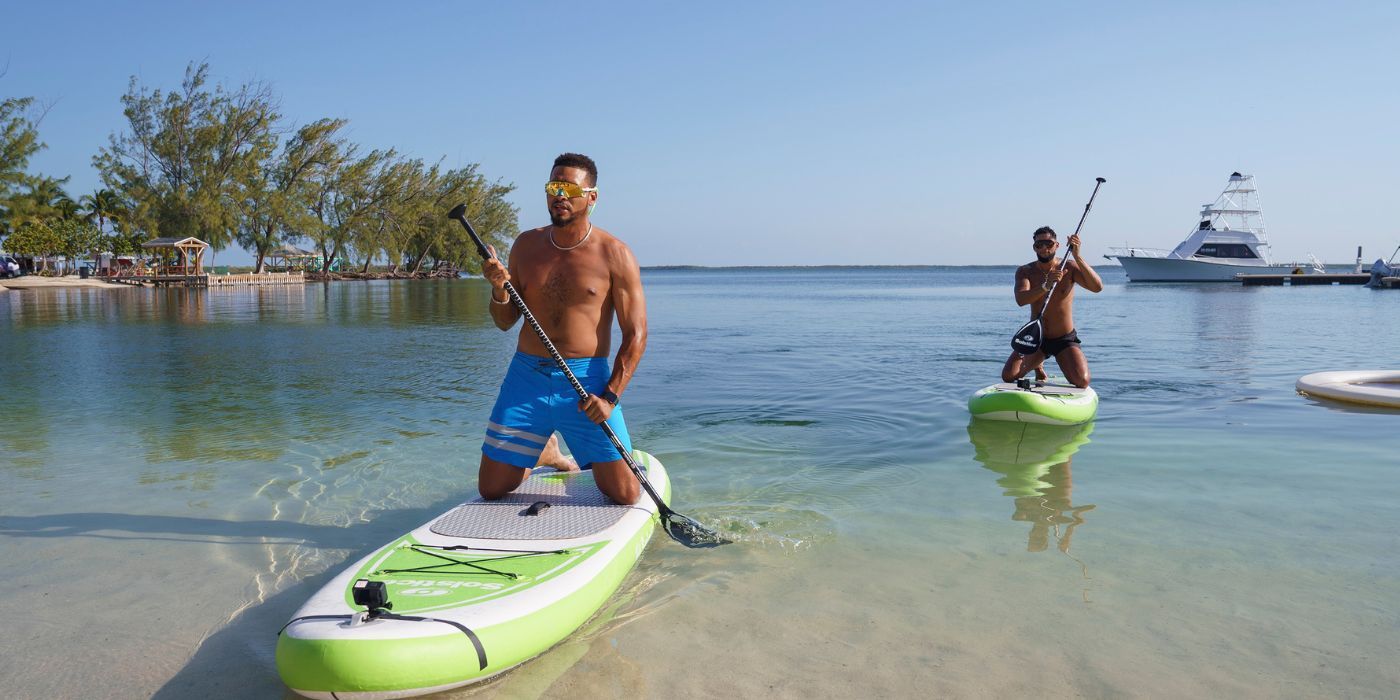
point(37, 282)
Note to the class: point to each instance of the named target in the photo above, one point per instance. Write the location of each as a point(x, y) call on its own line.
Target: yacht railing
point(1137, 253)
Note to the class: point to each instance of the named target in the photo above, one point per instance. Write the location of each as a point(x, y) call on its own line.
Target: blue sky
point(802, 133)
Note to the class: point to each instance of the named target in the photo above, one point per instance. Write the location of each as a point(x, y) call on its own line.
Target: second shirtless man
point(1033, 282)
point(575, 278)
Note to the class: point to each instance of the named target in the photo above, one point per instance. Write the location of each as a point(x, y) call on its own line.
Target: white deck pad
point(576, 509)
point(1045, 389)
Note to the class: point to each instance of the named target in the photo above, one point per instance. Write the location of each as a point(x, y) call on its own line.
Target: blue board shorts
point(536, 399)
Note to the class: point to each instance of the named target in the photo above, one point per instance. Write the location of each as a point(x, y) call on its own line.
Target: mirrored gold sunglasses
point(559, 188)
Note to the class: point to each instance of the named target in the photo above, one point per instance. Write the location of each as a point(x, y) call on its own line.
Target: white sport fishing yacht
point(1228, 241)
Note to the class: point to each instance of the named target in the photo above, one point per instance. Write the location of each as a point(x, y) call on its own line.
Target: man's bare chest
point(1038, 276)
point(566, 283)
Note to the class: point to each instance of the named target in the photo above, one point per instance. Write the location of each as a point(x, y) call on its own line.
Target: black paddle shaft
point(459, 213)
point(1065, 260)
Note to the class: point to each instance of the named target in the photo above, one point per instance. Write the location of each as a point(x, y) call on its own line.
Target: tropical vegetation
point(222, 164)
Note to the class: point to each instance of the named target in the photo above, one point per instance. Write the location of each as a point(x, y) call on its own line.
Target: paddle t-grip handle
point(1064, 262)
point(459, 213)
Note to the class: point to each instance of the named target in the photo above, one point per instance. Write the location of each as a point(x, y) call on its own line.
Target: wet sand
point(37, 282)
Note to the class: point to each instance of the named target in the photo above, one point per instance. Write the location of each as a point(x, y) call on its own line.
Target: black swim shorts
point(1054, 346)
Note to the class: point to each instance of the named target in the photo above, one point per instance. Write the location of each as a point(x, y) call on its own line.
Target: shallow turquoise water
point(183, 468)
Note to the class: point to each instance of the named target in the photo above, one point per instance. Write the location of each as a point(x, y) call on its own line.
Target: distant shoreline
point(73, 281)
point(842, 267)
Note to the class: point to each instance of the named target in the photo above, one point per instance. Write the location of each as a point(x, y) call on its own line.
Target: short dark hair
point(1044, 229)
point(580, 161)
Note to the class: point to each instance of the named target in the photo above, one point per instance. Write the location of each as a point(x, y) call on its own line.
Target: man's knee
point(494, 489)
point(496, 479)
point(1076, 369)
point(1078, 376)
point(1015, 368)
point(1012, 371)
point(625, 494)
point(617, 482)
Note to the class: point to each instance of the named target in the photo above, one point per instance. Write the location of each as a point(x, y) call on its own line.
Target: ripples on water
point(817, 417)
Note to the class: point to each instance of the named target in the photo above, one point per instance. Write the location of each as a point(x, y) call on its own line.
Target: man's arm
point(1084, 275)
point(1025, 293)
point(503, 312)
point(630, 306)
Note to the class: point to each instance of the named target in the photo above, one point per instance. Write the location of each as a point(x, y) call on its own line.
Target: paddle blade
point(690, 533)
point(1028, 339)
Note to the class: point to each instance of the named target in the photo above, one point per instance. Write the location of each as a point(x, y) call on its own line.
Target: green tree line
point(221, 164)
point(37, 217)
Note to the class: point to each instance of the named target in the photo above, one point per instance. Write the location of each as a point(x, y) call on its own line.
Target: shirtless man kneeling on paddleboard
point(574, 278)
point(1033, 282)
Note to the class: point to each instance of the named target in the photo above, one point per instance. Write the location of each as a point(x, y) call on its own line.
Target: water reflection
point(397, 303)
point(187, 377)
point(1034, 463)
point(1220, 328)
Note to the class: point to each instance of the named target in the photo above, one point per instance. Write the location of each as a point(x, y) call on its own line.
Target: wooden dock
point(161, 280)
point(1301, 279)
point(297, 277)
point(206, 280)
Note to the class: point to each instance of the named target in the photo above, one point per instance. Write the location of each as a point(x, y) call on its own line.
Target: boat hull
point(1181, 270)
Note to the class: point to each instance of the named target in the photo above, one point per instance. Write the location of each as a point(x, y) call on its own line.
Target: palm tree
point(44, 201)
point(49, 198)
point(65, 206)
point(100, 207)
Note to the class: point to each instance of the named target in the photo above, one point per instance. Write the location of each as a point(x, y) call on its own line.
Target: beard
point(1045, 258)
point(560, 219)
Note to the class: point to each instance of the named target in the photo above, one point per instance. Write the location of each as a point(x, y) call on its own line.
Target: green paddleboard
point(476, 591)
point(1053, 404)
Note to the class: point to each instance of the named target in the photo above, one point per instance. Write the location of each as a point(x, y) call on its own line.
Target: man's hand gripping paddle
point(681, 529)
point(1031, 336)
